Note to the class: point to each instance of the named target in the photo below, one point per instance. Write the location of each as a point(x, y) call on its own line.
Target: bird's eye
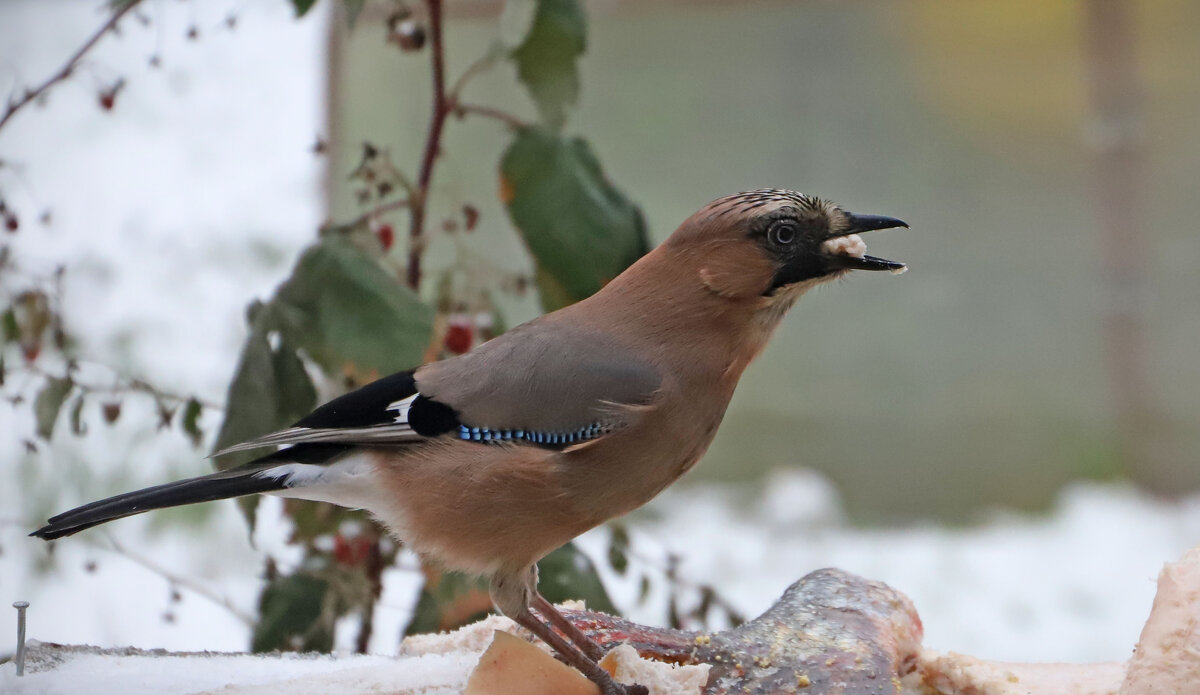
point(782, 233)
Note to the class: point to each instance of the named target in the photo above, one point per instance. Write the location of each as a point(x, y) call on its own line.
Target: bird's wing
point(540, 384)
point(376, 413)
point(545, 381)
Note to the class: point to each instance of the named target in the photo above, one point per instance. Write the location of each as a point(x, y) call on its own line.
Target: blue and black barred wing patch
point(554, 440)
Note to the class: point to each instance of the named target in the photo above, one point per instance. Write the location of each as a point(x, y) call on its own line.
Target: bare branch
point(416, 227)
point(484, 62)
point(69, 67)
point(124, 384)
point(376, 212)
point(510, 120)
point(183, 582)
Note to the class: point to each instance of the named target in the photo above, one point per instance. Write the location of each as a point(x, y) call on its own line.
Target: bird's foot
point(622, 689)
point(609, 686)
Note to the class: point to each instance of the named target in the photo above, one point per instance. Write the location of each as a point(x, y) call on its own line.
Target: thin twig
point(512, 121)
point(446, 102)
point(69, 67)
point(124, 384)
point(376, 212)
point(416, 228)
point(482, 63)
point(182, 582)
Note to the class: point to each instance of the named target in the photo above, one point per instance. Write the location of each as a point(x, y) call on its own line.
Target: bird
point(488, 461)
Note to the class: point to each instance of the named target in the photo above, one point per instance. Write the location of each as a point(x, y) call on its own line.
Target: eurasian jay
point(488, 461)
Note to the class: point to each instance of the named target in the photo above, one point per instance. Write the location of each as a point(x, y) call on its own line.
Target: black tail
point(217, 486)
point(234, 482)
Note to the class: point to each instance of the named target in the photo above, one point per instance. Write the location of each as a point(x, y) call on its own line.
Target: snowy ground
point(177, 208)
point(295, 674)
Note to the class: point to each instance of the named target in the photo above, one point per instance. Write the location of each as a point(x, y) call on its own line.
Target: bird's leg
point(560, 621)
point(514, 592)
point(573, 656)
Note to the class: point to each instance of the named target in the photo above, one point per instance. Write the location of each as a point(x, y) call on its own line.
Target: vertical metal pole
point(20, 658)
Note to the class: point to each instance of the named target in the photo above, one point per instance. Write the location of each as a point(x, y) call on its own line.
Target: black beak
point(867, 223)
point(870, 223)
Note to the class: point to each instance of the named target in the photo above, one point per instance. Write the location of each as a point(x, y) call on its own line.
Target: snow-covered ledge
point(830, 627)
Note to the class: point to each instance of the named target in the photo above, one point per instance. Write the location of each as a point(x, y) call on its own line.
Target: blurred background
point(1043, 153)
point(1007, 433)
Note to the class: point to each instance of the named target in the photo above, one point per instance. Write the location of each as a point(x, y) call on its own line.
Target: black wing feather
point(235, 482)
point(364, 406)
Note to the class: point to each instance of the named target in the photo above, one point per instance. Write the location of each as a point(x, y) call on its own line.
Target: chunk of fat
point(1167, 657)
point(959, 674)
point(1166, 660)
point(849, 245)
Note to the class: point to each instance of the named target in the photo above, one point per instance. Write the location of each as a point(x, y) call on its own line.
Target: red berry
point(112, 411)
point(11, 223)
point(351, 551)
point(459, 337)
point(387, 236)
point(108, 97)
point(472, 216)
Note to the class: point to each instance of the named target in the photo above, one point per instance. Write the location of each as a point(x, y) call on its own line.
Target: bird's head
point(777, 243)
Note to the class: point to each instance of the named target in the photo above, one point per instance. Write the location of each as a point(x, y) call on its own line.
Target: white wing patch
point(401, 407)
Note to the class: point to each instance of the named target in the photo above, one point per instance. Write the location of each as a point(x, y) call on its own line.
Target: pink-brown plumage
point(488, 461)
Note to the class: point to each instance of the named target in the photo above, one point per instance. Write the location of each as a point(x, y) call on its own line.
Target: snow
point(195, 195)
point(1074, 585)
point(192, 197)
point(147, 673)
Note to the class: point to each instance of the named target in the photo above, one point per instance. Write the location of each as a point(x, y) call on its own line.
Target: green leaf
point(348, 314)
point(546, 59)
point(303, 6)
point(452, 600)
point(12, 330)
point(427, 615)
point(516, 19)
point(49, 401)
point(270, 390)
point(449, 601)
point(618, 548)
point(191, 421)
point(341, 310)
point(581, 230)
point(643, 590)
point(290, 615)
point(567, 574)
point(353, 9)
point(78, 427)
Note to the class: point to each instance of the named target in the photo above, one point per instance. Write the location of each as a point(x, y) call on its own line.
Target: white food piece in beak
point(849, 245)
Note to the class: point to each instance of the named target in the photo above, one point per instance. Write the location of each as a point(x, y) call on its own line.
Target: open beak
point(845, 250)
